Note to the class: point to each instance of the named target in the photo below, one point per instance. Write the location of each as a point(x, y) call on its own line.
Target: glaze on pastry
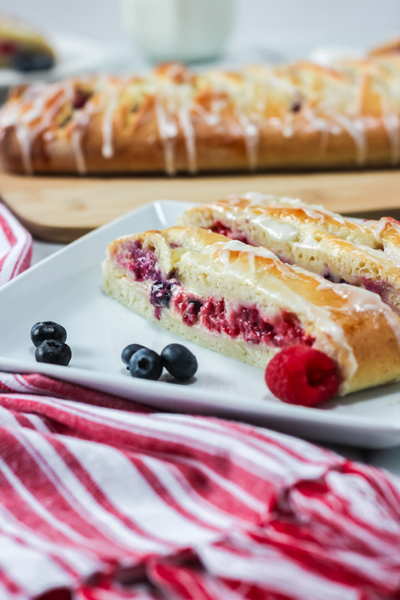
point(245, 303)
point(342, 250)
point(173, 120)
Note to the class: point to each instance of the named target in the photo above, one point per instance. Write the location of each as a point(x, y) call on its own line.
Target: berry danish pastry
point(22, 48)
point(244, 302)
point(342, 250)
point(174, 120)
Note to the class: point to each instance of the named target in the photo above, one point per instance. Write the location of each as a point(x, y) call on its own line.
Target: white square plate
point(66, 287)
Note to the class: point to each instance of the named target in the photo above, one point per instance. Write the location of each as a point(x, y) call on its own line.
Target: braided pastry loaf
point(295, 116)
point(246, 303)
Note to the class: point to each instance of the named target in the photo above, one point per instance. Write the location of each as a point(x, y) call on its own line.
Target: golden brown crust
point(296, 116)
point(392, 47)
point(215, 152)
point(351, 325)
point(363, 254)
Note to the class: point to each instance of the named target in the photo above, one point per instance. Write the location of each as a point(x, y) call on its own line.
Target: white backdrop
point(303, 22)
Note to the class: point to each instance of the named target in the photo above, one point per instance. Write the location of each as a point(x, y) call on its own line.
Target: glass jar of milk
point(186, 30)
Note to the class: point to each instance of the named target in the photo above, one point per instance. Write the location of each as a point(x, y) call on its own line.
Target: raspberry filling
point(141, 263)
point(382, 288)
point(8, 48)
point(80, 98)
point(378, 287)
point(284, 329)
point(219, 227)
point(187, 307)
point(238, 321)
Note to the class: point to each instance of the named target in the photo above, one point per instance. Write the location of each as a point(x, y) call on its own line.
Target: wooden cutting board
point(61, 209)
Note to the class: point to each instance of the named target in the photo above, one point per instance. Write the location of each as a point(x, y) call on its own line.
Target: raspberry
point(219, 227)
point(302, 375)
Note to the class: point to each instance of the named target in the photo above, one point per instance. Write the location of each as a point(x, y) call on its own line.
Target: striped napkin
point(105, 499)
point(15, 246)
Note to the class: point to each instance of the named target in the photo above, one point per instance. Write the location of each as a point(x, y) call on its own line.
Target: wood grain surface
point(61, 209)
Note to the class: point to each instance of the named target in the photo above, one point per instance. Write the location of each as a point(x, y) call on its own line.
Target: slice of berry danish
point(22, 47)
point(246, 303)
point(342, 250)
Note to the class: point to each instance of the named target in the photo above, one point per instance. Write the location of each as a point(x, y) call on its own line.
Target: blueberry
point(128, 352)
point(47, 330)
point(53, 352)
point(197, 304)
point(145, 364)
point(29, 61)
point(160, 294)
point(179, 361)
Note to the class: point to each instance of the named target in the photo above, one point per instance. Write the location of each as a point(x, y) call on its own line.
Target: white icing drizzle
point(25, 132)
point(168, 132)
point(376, 228)
point(255, 197)
point(319, 124)
point(334, 107)
point(391, 122)
point(25, 142)
point(108, 123)
point(275, 122)
point(177, 111)
point(316, 122)
point(248, 118)
point(251, 136)
point(383, 258)
point(382, 223)
point(214, 117)
point(308, 243)
point(312, 210)
point(390, 248)
point(81, 119)
point(236, 246)
point(356, 129)
point(362, 300)
point(190, 141)
point(287, 233)
point(279, 232)
point(9, 116)
point(76, 139)
point(390, 96)
point(287, 129)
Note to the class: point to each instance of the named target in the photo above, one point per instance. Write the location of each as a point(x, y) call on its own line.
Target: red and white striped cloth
point(105, 499)
point(15, 246)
